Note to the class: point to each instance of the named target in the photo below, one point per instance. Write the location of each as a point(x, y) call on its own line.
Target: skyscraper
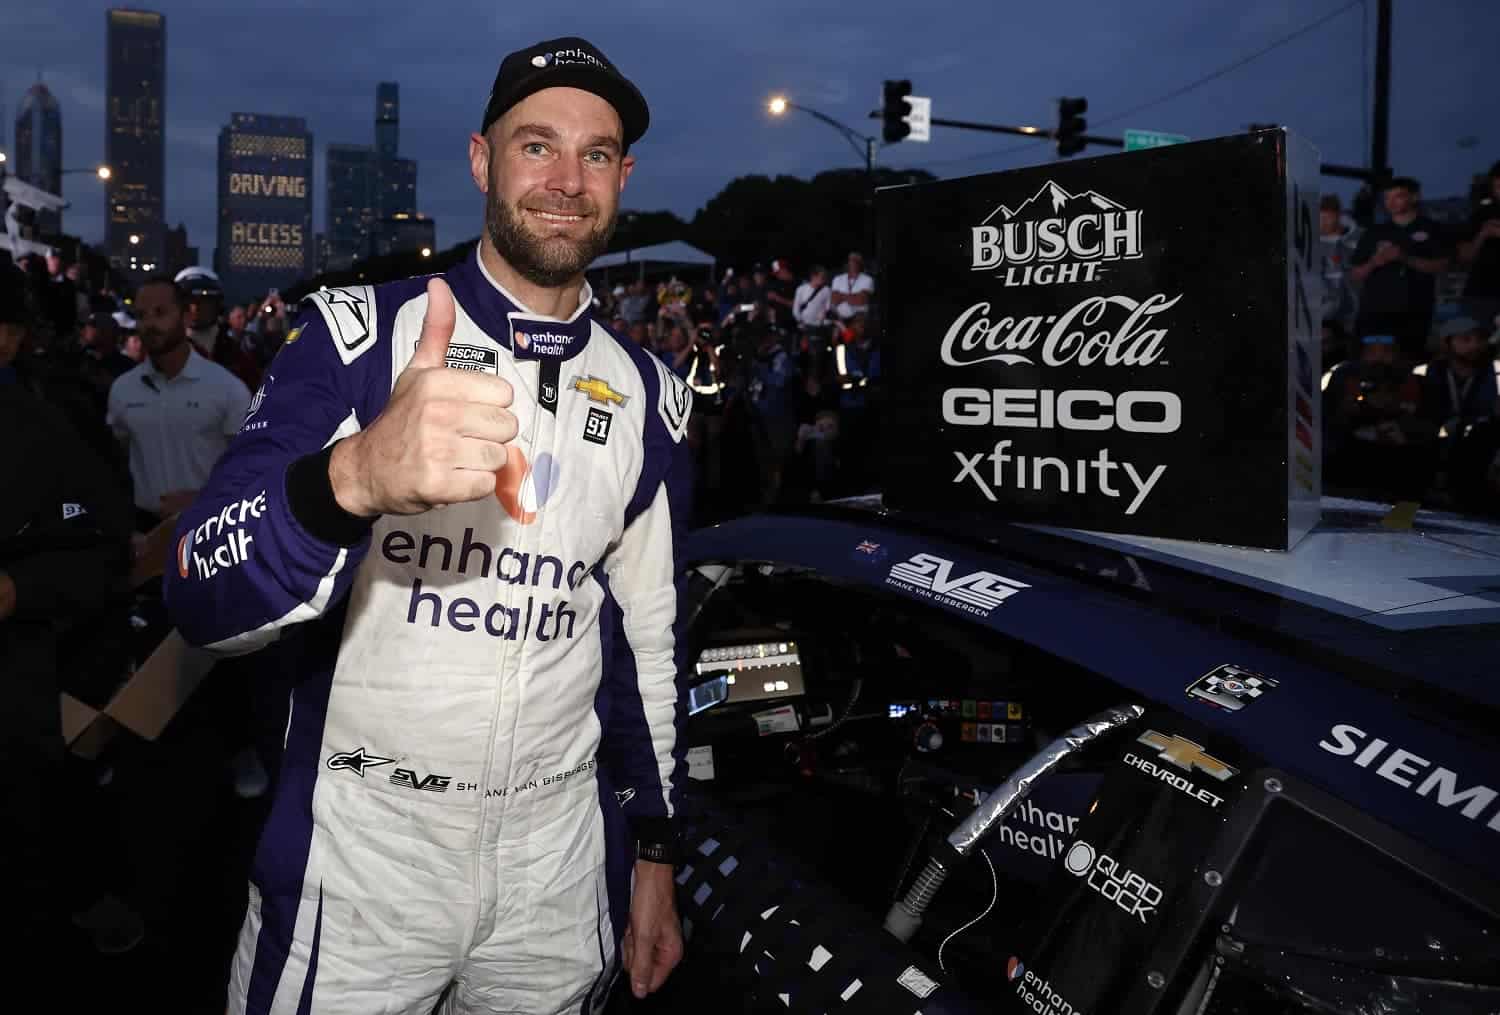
point(387, 119)
point(39, 149)
point(370, 190)
point(135, 122)
point(265, 204)
point(350, 208)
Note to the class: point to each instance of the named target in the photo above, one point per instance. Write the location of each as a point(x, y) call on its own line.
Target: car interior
point(838, 735)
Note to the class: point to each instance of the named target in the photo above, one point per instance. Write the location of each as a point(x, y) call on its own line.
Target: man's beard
point(547, 263)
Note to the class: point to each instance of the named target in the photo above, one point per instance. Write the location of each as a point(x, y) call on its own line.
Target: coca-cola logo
point(1100, 330)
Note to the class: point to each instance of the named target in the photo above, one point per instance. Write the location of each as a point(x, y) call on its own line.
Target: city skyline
point(710, 126)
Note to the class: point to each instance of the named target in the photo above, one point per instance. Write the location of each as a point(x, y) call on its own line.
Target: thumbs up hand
point(440, 439)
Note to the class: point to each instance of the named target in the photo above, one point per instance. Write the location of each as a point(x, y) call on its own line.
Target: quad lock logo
point(1129, 891)
point(1057, 238)
point(227, 525)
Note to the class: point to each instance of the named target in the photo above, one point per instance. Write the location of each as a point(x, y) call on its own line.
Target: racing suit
point(446, 809)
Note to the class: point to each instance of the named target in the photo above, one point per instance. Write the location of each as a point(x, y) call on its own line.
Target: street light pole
point(780, 104)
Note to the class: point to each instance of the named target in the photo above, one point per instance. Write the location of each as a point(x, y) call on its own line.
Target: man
point(1374, 444)
point(781, 290)
point(205, 308)
point(810, 304)
point(852, 290)
point(773, 373)
point(1397, 264)
point(100, 342)
point(1480, 251)
point(1338, 240)
point(176, 411)
point(440, 823)
point(63, 560)
point(1461, 401)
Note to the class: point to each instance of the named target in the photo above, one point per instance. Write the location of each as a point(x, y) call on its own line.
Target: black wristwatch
point(657, 852)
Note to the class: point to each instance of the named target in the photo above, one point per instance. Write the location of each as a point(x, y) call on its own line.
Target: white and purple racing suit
point(447, 810)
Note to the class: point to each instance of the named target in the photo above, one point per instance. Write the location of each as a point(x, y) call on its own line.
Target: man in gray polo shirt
point(175, 411)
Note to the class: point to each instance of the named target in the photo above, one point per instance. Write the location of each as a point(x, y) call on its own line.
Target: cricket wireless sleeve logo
point(223, 541)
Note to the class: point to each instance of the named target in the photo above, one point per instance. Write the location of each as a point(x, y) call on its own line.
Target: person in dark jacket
point(64, 558)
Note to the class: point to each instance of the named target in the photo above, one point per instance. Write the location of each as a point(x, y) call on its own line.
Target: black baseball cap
point(569, 62)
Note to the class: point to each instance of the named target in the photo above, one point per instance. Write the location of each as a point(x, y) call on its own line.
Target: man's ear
point(627, 164)
point(479, 162)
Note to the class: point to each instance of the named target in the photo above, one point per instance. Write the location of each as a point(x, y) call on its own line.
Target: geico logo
point(229, 516)
point(1045, 409)
point(270, 234)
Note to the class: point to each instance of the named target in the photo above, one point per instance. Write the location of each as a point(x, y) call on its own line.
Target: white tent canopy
point(675, 254)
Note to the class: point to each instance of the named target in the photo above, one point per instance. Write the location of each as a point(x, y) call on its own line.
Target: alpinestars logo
point(1055, 237)
point(356, 761)
point(931, 577)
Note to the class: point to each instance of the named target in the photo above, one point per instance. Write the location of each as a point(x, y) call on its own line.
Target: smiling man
point(456, 502)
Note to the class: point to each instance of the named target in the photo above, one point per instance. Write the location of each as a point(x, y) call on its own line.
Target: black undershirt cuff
point(309, 496)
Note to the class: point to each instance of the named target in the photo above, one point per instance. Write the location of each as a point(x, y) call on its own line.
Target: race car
point(945, 766)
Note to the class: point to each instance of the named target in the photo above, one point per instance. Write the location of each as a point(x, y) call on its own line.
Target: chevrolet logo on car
point(598, 390)
point(1187, 755)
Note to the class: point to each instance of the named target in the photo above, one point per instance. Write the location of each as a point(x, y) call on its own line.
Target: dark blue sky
point(707, 68)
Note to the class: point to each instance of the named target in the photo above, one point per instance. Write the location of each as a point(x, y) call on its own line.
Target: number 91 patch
point(596, 427)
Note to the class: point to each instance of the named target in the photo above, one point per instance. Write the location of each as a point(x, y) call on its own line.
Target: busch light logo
point(1056, 237)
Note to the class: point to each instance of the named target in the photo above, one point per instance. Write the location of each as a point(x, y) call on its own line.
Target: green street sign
point(1138, 139)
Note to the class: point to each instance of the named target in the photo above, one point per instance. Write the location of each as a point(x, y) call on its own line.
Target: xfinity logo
point(931, 577)
point(1054, 226)
point(1045, 409)
point(1422, 776)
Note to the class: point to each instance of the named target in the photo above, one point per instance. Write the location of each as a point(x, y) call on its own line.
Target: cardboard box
point(1124, 343)
point(144, 705)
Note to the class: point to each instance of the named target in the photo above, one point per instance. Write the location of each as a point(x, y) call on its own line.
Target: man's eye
point(598, 155)
point(536, 148)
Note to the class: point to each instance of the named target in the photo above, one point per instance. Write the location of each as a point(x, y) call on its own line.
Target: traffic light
point(1070, 126)
point(896, 110)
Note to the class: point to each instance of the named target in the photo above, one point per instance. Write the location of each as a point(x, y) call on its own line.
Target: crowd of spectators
point(785, 376)
point(1411, 389)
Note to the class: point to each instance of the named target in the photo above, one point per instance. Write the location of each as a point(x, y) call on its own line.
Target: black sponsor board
point(1128, 896)
point(1124, 343)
